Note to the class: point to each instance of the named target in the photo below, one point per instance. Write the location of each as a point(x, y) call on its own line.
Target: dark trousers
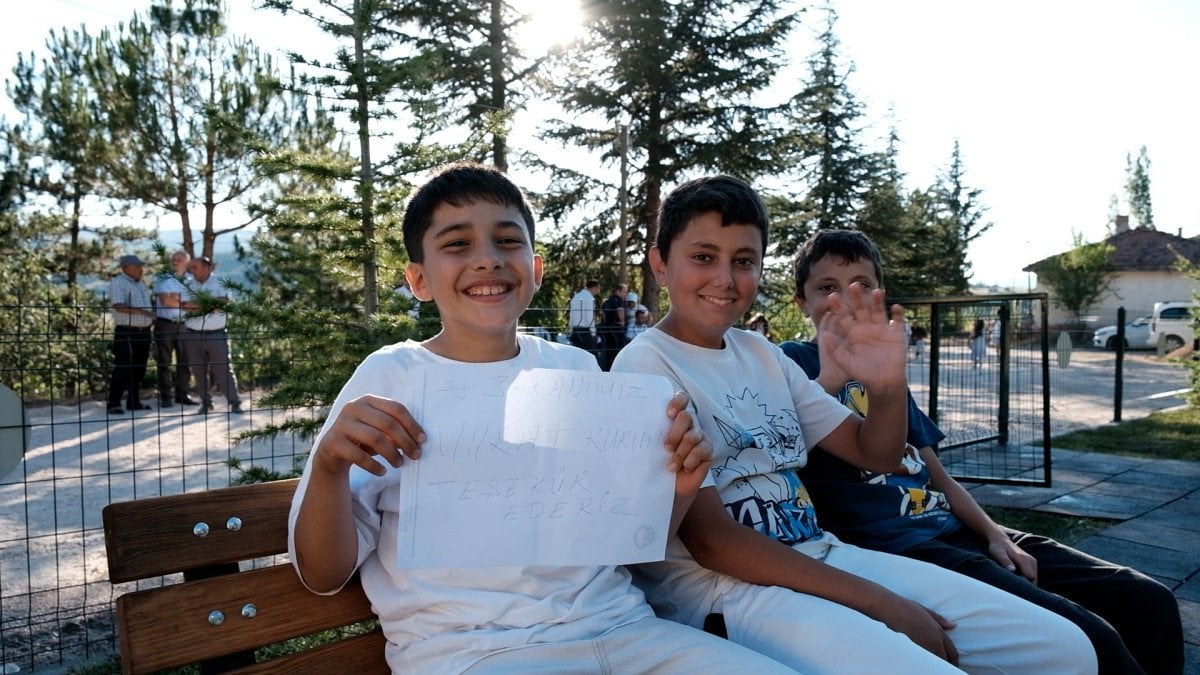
point(583, 338)
point(1131, 619)
point(172, 382)
point(131, 351)
point(208, 358)
point(614, 340)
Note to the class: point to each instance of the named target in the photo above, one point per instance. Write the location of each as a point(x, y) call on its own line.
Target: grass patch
point(1162, 435)
point(1069, 530)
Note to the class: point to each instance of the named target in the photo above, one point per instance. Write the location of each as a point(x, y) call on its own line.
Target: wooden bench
point(217, 616)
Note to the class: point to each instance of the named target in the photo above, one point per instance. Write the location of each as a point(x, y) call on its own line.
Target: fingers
point(1027, 566)
point(370, 427)
point(946, 648)
point(942, 621)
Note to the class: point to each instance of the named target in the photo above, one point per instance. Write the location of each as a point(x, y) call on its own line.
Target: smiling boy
point(921, 512)
point(469, 234)
point(750, 547)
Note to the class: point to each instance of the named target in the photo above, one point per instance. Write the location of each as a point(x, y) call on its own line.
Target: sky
point(1045, 98)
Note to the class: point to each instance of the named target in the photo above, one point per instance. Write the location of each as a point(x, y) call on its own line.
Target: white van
point(1171, 324)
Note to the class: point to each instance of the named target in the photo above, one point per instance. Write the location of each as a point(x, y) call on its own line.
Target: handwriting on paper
point(537, 467)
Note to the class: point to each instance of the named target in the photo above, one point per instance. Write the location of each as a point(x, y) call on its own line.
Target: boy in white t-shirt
point(750, 548)
point(469, 234)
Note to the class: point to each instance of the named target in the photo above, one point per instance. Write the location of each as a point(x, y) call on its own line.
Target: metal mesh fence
point(998, 408)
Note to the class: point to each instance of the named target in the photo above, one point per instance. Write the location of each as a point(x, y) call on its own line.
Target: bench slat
point(153, 536)
point(360, 654)
point(165, 627)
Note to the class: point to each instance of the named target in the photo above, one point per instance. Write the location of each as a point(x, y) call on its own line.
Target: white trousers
point(647, 646)
point(995, 633)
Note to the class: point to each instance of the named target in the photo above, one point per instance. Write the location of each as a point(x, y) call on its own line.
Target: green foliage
point(960, 215)
point(1172, 434)
point(690, 82)
point(1137, 188)
point(56, 342)
point(835, 167)
point(1069, 530)
point(1080, 276)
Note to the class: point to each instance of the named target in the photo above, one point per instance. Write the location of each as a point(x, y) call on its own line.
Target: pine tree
point(1137, 188)
point(180, 105)
point(691, 83)
point(960, 213)
point(836, 169)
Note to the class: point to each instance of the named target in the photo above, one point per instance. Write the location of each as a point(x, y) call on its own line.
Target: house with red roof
point(1146, 266)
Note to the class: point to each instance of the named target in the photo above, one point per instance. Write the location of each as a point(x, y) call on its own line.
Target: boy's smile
point(833, 274)
point(481, 271)
point(712, 276)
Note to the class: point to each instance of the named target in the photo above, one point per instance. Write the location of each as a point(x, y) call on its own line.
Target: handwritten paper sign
point(537, 467)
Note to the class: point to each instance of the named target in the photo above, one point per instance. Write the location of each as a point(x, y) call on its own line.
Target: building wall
point(1136, 291)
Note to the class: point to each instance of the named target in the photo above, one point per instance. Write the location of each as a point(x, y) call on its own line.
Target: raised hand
point(860, 339)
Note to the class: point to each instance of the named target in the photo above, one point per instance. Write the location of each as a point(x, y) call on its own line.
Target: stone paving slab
point(1153, 560)
point(1097, 505)
point(1173, 467)
point(1190, 613)
point(1173, 515)
point(1159, 494)
point(1165, 480)
point(1093, 461)
point(1017, 497)
point(1141, 532)
point(1189, 590)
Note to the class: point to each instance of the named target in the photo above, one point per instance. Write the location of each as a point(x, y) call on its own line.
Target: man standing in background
point(206, 340)
point(612, 325)
point(581, 315)
point(132, 316)
point(168, 325)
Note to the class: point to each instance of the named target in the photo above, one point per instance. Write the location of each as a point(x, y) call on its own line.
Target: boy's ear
point(414, 273)
point(537, 272)
point(658, 266)
point(801, 303)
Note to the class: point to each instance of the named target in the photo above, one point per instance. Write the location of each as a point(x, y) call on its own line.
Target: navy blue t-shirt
point(888, 512)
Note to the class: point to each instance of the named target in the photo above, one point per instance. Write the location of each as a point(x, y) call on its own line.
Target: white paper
point(537, 467)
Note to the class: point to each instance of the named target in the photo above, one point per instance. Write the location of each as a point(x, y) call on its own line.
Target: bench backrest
point(218, 615)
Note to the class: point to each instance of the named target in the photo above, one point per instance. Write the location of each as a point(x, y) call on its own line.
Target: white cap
point(631, 297)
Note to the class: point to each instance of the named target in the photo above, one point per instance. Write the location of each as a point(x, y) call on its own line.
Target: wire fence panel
point(55, 597)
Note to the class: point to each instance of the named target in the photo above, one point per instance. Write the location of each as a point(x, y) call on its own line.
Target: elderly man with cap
point(133, 314)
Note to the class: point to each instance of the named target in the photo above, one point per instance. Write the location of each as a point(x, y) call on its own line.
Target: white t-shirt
point(762, 414)
point(582, 310)
point(216, 319)
point(444, 620)
point(169, 283)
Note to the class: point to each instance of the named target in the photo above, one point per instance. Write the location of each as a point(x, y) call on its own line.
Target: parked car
point(1137, 335)
point(1172, 324)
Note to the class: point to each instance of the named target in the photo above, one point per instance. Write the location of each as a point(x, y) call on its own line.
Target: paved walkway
point(1158, 504)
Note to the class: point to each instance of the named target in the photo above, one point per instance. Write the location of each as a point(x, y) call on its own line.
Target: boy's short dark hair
point(849, 245)
point(457, 185)
point(731, 197)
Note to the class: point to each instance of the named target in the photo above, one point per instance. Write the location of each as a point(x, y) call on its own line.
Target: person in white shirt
point(469, 235)
point(168, 326)
point(581, 315)
point(206, 338)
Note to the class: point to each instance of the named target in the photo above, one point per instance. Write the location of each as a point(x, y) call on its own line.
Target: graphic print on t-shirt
point(915, 497)
point(763, 491)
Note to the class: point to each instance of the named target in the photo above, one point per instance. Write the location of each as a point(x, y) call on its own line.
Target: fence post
point(1119, 372)
point(935, 350)
point(1002, 413)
